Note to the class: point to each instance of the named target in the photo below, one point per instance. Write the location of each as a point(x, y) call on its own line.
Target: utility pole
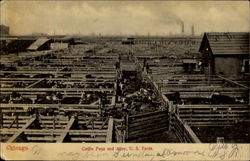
point(148, 39)
point(192, 30)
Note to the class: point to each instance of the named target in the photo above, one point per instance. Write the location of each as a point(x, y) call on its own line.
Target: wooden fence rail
point(143, 125)
point(57, 129)
point(183, 131)
point(213, 115)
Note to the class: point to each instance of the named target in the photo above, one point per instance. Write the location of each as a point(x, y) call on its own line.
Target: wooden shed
point(128, 40)
point(190, 65)
point(40, 44)
point(225, 53)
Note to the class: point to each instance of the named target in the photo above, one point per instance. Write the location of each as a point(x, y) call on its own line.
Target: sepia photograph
point(149, 76)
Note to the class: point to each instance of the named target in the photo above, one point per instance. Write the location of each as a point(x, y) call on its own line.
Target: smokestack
point(192, 30)
point(182, 27)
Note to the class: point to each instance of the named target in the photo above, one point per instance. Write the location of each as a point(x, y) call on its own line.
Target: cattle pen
point(107, 91)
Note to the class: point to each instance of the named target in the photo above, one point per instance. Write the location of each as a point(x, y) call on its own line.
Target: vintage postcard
point(124, 80)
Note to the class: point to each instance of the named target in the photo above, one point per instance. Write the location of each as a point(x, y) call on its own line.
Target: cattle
point(89, 76)
point(66, 76)
point(22, 101)
point(16, 76)
point(44, 76)
point(17, 98)
point(90, 97)
point(4, 99)
point(175, 97)
point(42, 111)
point(11, 68)
point(115, 113)
point(20, 85)
point(222, 99)
point(71, 100)
point(44, 99)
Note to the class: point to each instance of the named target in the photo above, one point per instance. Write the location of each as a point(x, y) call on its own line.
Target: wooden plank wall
point(142, 125)
point(213, 115)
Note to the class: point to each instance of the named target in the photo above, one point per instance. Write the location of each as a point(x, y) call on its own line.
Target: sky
point(124, 17)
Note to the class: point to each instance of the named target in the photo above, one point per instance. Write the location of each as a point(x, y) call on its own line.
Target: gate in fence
point(143, 125)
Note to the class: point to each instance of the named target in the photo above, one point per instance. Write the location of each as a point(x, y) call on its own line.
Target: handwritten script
point(213, 151)
point(223, 151)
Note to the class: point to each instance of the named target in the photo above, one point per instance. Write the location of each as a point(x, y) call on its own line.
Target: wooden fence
point(183, 131)
point(56, 129)
point(119, 130)
point(213, 115)
point(143, 125)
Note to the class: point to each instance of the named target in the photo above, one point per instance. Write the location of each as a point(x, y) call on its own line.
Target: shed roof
point(39, 42)
point(65, 38)
point(129, 67)
point(189, 61)
point(227, 43)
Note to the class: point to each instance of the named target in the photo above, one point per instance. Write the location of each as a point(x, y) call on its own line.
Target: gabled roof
point(39, 42)
point(227, 43)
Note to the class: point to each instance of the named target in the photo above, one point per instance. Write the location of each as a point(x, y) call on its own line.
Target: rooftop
point(39, 42)
point(224, 43)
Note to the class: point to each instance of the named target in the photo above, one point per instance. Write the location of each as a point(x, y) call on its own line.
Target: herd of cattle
point(214, 99)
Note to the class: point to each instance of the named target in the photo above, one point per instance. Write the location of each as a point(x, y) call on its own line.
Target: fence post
point(127, 124)
point(123, 136)
point(248, 97)
point(191, 115)
point(17, 122)
point(171, 114)
point(1, 118)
